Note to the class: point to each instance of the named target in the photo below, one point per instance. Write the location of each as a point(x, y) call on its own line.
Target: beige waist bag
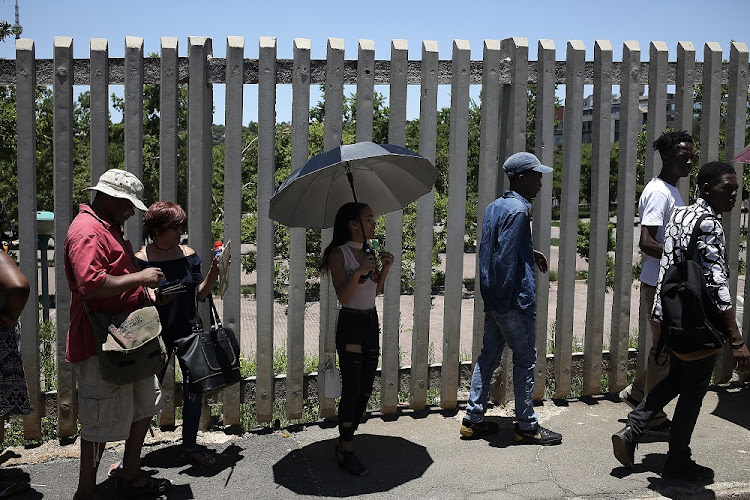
point(130, 347)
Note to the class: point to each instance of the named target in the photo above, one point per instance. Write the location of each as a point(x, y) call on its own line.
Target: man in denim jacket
point(508, 284)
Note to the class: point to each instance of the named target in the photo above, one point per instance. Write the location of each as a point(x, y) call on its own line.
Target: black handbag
point(212, 358)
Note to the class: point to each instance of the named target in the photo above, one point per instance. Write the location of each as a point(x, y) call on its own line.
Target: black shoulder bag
point(212, 357)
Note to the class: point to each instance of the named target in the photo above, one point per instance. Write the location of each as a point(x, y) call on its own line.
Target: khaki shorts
point(106, 411)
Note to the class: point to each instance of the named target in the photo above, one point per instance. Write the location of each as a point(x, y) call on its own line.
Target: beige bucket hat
point(121, 184)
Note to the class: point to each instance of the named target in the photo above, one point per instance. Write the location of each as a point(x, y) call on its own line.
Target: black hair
point(712, 172)
point(667, 142)
point(348, 212)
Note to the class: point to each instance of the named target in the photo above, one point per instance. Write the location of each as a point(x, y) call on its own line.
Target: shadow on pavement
point(15, 481)
point(733, 405)
point(672, 488)
point(108, 490)
point(169, 457)
point(669, 488)
point(313, 470)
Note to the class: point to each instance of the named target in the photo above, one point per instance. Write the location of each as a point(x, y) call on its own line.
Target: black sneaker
point(624, 443)
point(661, 430)
point(471, 430)
point(686, 470)
point(540, 435)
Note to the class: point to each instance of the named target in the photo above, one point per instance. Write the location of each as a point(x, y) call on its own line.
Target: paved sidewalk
point(421, 456)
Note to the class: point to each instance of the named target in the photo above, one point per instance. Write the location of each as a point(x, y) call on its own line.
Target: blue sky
point(588, 20)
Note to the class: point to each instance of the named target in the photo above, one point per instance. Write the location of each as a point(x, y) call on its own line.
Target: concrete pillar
point(133, 117)
point(601, 124)
point(233, 204)
point(735, 142)
point(265, 256)
point(574, 76)
point(332, 127)
point(99, 107)
point(168, 112)
point(67, 404)
point(657, 105)
point(488, 169)
point(711, 103)
point(630, 126)
point(420, 340)
point(365, 90)
point(657, 123)
point(683, 118)
point(27, 237)
point(297, 241)
point(542, 210)
point(454, 253)
point(394, 236)
point(168, 138)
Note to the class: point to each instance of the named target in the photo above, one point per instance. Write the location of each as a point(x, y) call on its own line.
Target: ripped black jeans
point(357, 368)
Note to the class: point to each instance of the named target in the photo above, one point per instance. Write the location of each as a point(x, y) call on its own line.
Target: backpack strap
point(693, 243)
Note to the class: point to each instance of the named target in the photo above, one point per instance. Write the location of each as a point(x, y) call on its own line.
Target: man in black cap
point(508, 285)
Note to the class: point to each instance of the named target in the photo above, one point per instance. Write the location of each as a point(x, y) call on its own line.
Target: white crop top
point(364, 295)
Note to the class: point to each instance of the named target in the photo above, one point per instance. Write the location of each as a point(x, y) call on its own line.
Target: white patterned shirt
point(711, 252)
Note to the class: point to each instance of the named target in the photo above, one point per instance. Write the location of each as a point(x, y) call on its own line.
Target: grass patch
point(249, 366)
point(47, 357)
point(14, 432)
point(554, 242)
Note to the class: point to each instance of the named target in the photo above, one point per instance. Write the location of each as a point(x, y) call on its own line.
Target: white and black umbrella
point(387, 178)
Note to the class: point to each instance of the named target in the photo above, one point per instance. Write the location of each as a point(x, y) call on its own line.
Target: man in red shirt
point(102, 276)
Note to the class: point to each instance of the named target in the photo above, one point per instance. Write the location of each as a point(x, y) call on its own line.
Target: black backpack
point(690, 319)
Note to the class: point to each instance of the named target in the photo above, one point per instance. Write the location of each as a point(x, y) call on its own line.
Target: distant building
point(614, 136)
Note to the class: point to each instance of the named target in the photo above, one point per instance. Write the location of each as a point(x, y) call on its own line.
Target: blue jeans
point(517, 330)
point(192, 404)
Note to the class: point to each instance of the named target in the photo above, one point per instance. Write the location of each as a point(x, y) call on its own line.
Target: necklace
point(355, 244)
point(162, 249)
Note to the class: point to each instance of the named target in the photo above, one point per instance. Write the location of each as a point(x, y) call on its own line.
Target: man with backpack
point(692, 357)
point(655, 206)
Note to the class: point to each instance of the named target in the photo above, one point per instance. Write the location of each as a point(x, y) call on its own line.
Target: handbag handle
point(215, 319)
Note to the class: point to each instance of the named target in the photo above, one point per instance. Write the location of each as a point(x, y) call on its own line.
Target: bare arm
point(208, 282)
point(648, 243)
point(741, 356)
point(115, 285)
point(15, 286)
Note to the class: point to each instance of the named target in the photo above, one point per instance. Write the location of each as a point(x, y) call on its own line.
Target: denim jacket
point(506, 256)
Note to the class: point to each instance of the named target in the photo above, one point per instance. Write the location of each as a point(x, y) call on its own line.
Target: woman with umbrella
point(357, 281)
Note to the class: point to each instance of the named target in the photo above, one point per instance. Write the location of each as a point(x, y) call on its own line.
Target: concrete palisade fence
point(504, 73)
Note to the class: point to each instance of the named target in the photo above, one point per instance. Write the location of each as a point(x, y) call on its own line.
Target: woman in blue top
point(165, 223)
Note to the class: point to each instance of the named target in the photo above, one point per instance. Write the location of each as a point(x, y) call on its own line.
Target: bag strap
point(693, 243)
point(215, 319)
point(197, 322)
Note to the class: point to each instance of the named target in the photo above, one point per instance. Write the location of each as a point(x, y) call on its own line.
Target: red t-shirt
point(95, 248)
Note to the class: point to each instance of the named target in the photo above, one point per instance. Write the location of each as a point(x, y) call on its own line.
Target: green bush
point(582, 247)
